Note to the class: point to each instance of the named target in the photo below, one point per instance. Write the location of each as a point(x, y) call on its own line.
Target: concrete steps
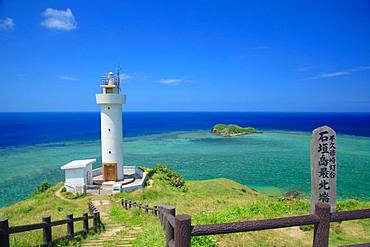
point(110, 236)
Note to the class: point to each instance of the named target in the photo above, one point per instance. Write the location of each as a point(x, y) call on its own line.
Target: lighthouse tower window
point(110, 152)
point(109, 130)
point(108, 107)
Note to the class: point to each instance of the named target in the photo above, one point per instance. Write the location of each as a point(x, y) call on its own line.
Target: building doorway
point(110, 171)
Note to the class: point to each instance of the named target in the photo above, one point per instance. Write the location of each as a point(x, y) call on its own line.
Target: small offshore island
point(232, 130)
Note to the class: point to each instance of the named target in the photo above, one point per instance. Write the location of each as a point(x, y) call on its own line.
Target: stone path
point(115, 234)
point(103, 205)
point(110, 237)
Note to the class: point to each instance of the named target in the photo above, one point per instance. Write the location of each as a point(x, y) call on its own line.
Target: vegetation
point(32, 209)
point(223, 200)
point(73, 196)
point(207, 201)
point(232, 130)
point(43, 186)
point(162, 173)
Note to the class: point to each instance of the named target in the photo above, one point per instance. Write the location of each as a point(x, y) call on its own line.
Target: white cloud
point(302, 69)
point(126, 77)
point(6, 24)
point(339, 73)
point(360, 68)
point(59, 19)
point(171, 81)
point(67, 78)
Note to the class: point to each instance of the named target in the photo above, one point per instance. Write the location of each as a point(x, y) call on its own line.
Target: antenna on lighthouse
point(118, 78)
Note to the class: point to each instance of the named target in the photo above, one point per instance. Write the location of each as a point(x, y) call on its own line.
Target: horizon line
point(355, 112)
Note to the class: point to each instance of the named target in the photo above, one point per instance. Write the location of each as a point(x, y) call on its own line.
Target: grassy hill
point(223, 200)
point(207, 201)
point(32, 209)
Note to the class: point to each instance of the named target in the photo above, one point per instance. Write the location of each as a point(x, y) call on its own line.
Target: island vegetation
point(232, 130)
point(207, 201)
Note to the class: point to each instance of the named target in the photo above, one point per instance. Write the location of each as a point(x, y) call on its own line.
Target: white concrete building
point(78, 174)
point(111, 101)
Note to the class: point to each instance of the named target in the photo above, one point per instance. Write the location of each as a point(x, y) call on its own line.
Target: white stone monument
point(323, 167)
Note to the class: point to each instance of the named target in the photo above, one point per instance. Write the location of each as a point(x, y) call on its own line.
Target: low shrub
point(170, 177)
point(43, 186)
point(73, 196)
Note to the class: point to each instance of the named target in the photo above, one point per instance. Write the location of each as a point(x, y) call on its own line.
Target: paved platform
point(130, 182)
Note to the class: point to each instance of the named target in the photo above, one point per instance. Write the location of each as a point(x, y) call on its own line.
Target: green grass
point(73, 196)
point(223, 200)
point(31, 211)
point(207, 201)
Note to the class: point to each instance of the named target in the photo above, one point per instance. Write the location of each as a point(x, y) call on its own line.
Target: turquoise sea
point(272, 162)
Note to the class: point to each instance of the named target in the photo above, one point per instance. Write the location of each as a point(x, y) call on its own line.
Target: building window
point(109, 130)
point(108, 107)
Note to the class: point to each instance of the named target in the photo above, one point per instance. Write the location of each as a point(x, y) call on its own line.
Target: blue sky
point(187, 55)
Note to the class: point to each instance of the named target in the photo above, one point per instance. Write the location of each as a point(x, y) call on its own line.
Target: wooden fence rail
point(46, 226)
point(178, 229)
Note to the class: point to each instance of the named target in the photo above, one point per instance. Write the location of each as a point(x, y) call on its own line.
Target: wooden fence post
point(125, 204)
point(46, 236)
point(155, 210)
point(146, 208)
point(85, 222)
point(70, 228)
point(160, 215)
point(321, 231)
point(95, 221)
point(4, 232)
point(169, 230)
point(99, 222)
point(130, 204)
point(122, 202)
point(182, 230)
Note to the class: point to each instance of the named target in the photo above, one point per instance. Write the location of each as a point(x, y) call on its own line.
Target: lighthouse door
point(110, 171)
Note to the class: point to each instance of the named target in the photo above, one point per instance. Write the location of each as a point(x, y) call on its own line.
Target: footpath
point(113, 234)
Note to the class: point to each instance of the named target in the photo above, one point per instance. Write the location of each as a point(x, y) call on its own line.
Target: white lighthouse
point(112, 177)
point(111, 101)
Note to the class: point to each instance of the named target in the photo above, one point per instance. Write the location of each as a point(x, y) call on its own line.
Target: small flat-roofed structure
point(78, 174)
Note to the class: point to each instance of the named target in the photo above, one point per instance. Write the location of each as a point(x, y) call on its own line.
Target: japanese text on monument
point(323, 167)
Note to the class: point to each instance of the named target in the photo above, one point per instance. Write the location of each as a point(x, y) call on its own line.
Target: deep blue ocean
point(32, 128)
point(33, 146)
